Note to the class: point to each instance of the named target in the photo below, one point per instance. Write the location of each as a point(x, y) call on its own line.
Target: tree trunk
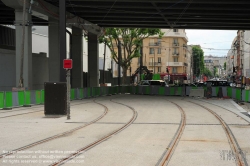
point(124, 74)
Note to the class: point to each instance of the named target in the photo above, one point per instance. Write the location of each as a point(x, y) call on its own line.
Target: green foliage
point(215, 72)
point(225, 65)
point(131, 39)
point(198, 60)
point(207, 72)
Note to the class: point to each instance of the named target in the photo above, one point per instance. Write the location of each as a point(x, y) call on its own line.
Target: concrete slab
point(142, 143)
point(202, 145)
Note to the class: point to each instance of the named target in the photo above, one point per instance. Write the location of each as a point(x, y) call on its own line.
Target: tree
point(215, 71)
point(207, 72)
point(225, 65)
point(198, 60)
point(131, 41)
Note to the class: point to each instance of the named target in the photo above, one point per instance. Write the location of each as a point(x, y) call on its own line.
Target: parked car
point(197, 84)
point(217, 83)
point(153, 83)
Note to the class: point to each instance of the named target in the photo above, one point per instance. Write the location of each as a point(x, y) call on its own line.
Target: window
point(151, 59)
point(159, 59)
point(175, 40)
point(174, 69)
point(159, 51)
point(175, 30)
point(151, 51)
point(159, 69)
point(176, 50)
point(175, 59)
point(151, 40)
point(159, 41)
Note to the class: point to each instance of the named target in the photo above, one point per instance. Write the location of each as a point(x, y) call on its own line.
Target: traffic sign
point(67, 63)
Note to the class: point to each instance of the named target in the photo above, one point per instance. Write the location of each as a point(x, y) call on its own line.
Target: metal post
point(70, 48)
point(22, 54)
point(68, 93)
point(119, 62)
point(104, 59)
point(141, 62)
point(62, 17)
point(62, 23)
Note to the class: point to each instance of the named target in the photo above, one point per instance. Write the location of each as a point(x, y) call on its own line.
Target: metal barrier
point(196, 93)
point(9, 99)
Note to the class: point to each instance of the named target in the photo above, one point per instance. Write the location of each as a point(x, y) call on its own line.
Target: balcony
point(155, 44)
point(175, 63)
point(154, 63)
point(175, 54)
point(175, 44)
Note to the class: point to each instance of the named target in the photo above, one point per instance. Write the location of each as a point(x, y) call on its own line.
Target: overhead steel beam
point(178, 2)
point(42, 9)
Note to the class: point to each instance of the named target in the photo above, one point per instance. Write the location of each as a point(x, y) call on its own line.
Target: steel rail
point(58, 135)
point(240, 159)
point(173, 144)
point(93, 144)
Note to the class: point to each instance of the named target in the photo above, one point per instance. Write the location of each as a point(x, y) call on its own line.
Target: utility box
point(55, 98)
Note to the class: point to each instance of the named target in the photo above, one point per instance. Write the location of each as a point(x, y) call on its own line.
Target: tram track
point(58, 135)
point(36, 111)
point(223, 108)
point(239, 156)
point(102, 139)
point(165, 158)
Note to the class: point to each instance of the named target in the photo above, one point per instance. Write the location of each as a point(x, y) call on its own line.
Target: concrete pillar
point(54, 58)
point(93, 60)
point(27, 67)
point(77, 57)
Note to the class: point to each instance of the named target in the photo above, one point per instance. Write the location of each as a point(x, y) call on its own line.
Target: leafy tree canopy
point(131, 39)
point(207, 72)
point(198, 60)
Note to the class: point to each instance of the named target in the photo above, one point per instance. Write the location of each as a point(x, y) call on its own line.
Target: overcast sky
point(216, 39)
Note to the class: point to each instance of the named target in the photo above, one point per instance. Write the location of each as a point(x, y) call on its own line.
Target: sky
point(215, 39)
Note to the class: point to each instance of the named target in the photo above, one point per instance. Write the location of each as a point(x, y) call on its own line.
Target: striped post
point(38, 97)
point(1, 100)
point(72, 94)
point(89, 92)
point(42, 96)
point(20, 98)
point(238, 94)
point(27, 98)
point(8, 100)
point(172, 91)
point(229, 92)
point(81, 93)
point(161, 91)
point(246, 95)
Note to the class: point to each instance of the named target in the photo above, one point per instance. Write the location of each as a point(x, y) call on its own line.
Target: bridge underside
point(179, 14)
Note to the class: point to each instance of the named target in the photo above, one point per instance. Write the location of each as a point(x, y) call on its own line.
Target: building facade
point(231, 59)
point(246, 54)
point(168, 52)
point(214, 61)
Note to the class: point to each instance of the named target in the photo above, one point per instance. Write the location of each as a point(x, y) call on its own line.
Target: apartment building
point(231, 59)
point(246, 53)
point(168, 52)
point(215, 61)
